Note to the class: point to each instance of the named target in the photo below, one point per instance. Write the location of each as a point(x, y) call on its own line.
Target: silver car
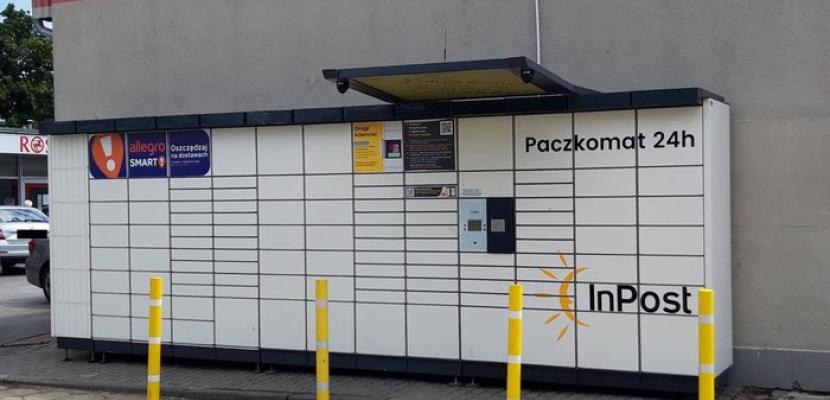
point(14, 250)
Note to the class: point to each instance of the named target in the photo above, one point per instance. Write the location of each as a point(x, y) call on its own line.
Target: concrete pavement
point(24, 311)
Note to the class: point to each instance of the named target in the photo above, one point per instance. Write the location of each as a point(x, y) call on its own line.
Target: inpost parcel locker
point(611, 209)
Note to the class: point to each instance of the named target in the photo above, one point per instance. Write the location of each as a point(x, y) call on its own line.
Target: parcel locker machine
point(487, 225)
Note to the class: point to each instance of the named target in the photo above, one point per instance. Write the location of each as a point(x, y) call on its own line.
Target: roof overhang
point(502, 77)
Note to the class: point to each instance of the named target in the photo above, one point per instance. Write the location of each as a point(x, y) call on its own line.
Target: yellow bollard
point(514, 344)
point(322, 314)
point(706, 344)
point(154, 340)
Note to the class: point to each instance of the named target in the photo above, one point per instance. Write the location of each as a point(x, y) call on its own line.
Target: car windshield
point(22, 215)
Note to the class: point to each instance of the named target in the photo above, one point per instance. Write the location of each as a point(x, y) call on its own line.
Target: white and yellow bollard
point(706, 344)
point(322, 322)
point(514, 344)
point(154, 340)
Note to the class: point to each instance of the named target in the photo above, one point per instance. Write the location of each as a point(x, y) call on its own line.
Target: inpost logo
point(565, 302)
point(610, 300)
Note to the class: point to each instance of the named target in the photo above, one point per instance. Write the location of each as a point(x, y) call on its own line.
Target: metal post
point(154, 340)
point(514, 344)
point(322, 322)
point(706, 344)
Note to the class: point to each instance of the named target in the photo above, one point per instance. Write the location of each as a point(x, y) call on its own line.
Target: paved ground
point(24, 312)
point(32, 368)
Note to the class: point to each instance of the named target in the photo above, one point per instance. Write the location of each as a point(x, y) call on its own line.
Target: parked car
point(14, 250)
point(37, 266)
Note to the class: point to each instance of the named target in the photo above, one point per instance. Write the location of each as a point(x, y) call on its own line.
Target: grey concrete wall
point(769, 58)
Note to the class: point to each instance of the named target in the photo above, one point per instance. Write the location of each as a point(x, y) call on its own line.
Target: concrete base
point(784, 369)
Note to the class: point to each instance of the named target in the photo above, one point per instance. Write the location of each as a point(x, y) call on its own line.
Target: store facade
point(23, 168)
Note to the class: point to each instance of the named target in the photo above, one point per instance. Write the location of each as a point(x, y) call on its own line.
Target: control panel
point(487, 225)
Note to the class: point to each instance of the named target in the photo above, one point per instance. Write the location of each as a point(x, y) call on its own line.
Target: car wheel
point(46, 283)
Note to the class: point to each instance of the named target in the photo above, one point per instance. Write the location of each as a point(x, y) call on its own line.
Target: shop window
point(8, 165)
point(8, 192)
point(33, 165)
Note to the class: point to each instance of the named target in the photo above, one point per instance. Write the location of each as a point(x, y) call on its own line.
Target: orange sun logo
point(565, 301)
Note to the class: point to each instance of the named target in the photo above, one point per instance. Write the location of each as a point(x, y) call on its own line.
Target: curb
point(185, 392)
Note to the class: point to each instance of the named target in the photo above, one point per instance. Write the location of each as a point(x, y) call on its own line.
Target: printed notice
point(429, 145)
point(367, 145)
point(432, 191)
point(189, 153)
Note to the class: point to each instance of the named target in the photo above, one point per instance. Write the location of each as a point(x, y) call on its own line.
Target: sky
point(19, 4)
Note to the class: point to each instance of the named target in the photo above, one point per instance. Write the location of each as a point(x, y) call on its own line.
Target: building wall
point(768, 58)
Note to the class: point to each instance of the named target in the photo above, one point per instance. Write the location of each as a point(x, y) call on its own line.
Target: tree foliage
point(25, 70)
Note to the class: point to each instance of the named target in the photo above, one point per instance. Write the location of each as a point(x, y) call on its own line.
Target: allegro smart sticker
point(106, 156)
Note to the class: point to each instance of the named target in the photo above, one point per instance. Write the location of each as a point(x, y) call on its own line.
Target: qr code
point(446, 127)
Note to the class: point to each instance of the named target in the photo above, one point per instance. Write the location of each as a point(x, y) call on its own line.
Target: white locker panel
point(328, 187)
point(198, 308)
point(483, 337)
point(605, 182)
point(235, 267)
point(233, 194)
point(432, 331)
point(379, 218)
point(660, 240)
point(191, 194)
point(282, 287)
point(283, 324)
point(231, 182)
point(615, 135)
point(606, 211)
point(106, 281)
point(663, 335)
point(150, 236)
point(378, 205)
point(109, 258)
point(542, 344)
point(150, 259)
point(330, 237)
point(670, 181)
point(234, 151)
point(379, 257)
point(606, 240)
point(190, 183)
point(599, 350)
point(388, 178)
point(236, 292)
point(192, 266)
point(110, 328)
point(687, 148)
point(391, 192)
point(280, 187)
point(281, 237)
point(336, 212)
point(544, 190)
point(329, 263)
point(117, 305)
point(380, 329)
point(431, 178)
point(148, 189)
point(379, 232)
point(429, 218)
point(279, 149)
point(149, 213)
point(237, 322)
point(281, 212)
point(281, 262)
point(535, 136)
point(192, 332)
point(328, 148)
point(671, 210)
point(235, 255)
point(190, 206)
point(486, 184)
point(485, 142)
point(235, 206)
point(602, 268)
point(108, 236)
point(108, 190)
point(431, 271)
point(672, 270)
point(561, 176)
point(108, 213)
